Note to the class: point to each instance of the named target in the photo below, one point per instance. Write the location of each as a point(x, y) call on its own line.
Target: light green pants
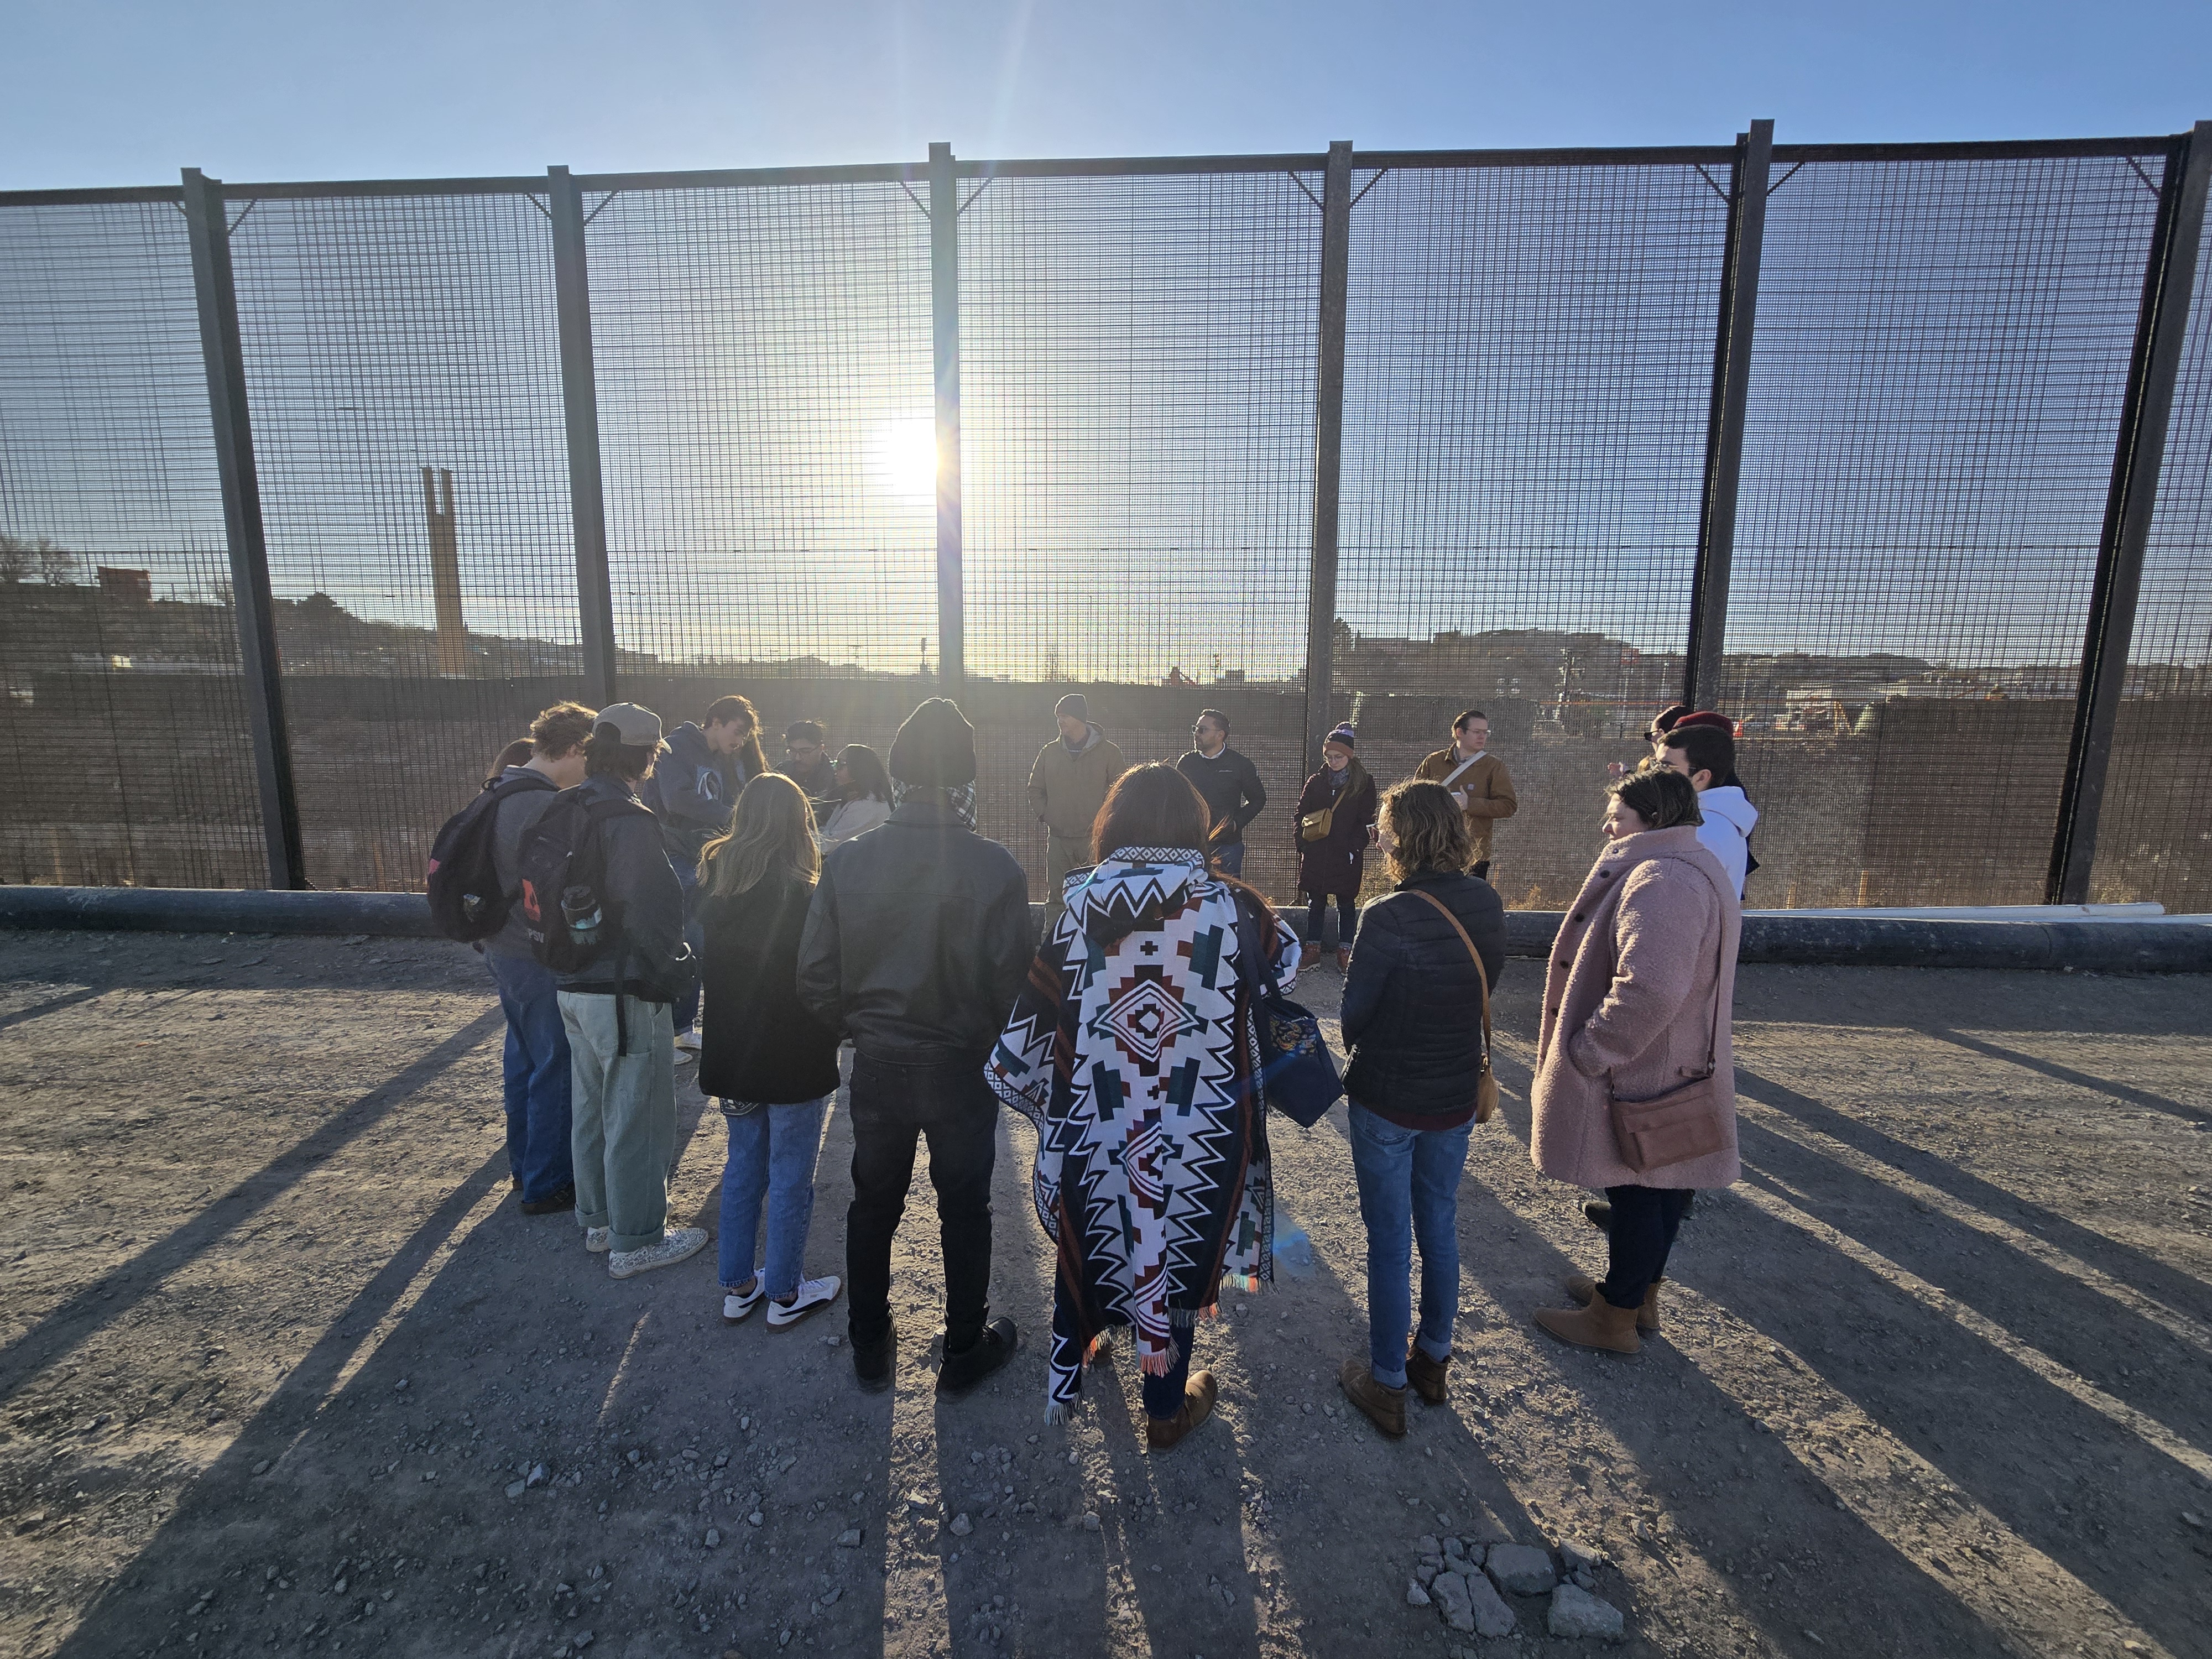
point(1062, 854)
point(622, 1115)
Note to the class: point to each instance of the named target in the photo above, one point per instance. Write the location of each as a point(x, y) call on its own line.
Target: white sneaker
point(677, 1244)
point(812, 1293)
point(595, 1240)
point(737, 1306)
point(688, 1041)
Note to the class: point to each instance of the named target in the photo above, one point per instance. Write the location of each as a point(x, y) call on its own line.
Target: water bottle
point(580, 910)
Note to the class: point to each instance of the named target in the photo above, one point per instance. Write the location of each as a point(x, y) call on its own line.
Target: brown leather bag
point(1486, 1085)
point(1676, 1124)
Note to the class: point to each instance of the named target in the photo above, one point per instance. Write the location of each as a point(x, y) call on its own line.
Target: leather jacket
point(918, 939)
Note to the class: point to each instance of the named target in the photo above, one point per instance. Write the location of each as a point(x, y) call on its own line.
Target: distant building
point(119, 586)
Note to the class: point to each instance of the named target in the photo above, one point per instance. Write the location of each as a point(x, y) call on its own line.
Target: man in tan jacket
point(1067, 786)
point(1477, 780)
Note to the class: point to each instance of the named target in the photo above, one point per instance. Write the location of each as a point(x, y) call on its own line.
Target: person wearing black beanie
point(916, 944)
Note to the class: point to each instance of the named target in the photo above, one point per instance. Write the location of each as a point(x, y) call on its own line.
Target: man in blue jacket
point(692, 791)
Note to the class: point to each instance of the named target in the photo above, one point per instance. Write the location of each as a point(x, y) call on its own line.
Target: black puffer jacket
point(759, 1043)
point(918, 939)
point(1412, 1004)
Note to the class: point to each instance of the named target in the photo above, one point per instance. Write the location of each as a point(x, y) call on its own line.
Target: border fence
point(312, 493)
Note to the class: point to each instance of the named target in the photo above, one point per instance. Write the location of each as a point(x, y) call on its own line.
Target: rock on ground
point(1453, 1600)
point(1577, 1613)
point(1522, 1569)
point(1492, 1616)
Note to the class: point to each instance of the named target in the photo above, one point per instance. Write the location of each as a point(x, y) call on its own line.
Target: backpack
point(564, 870)
point(466, 901)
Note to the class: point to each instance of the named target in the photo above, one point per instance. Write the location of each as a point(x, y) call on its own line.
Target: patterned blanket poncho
point(1130, 1050)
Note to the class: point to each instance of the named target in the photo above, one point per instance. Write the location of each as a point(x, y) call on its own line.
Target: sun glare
point(904, 459)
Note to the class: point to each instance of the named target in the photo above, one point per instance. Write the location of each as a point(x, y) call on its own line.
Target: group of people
point(639, 868)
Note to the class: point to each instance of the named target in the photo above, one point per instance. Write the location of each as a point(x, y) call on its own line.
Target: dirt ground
point(275, 1346)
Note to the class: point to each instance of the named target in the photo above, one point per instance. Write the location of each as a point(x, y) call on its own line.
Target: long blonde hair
point(772, 830)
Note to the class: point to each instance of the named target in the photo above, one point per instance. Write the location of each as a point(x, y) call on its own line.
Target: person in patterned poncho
point(1131, 1049)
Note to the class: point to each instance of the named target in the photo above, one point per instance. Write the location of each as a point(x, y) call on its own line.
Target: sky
point(110, 93)
point(1935, 384)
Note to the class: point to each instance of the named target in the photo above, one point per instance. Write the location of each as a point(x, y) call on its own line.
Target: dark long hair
point(1156, 805)
point(1152, 805)
point(868, 775)
point(1661, 797)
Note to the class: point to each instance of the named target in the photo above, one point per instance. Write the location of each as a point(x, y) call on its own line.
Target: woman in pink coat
point(1638, 999)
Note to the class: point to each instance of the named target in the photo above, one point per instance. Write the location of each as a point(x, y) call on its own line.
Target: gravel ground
point(283, 1370)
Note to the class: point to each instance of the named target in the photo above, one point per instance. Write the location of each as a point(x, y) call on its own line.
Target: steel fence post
point(208, 229)
point(2169, 281)
point(945, 341)
point(1709, 586)
point(1329, 439)
point(580, 401)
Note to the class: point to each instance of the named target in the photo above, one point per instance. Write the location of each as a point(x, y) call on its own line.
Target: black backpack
point(562, 897)
point(467, 902)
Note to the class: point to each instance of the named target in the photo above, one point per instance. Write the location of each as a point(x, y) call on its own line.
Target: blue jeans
point(536, 1074)
point(1408, 1189)
point(772, 1151)
point(695, 935)
point(1230, 860)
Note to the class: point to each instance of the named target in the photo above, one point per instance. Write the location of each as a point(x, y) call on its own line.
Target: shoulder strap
point(1460, 768)
point(1444, 910)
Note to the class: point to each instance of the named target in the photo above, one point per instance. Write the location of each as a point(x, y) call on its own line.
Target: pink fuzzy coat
point(1651, 942)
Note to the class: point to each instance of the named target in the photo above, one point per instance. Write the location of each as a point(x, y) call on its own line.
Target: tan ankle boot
point(1427, 1375)
point(1162, 1432)
point(1308, 954)
point(1582, 1288)
point(1383, 1407)
point(1600, 1325)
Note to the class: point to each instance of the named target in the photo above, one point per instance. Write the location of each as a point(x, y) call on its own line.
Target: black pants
point(893, 1106)
point(1644, 1221)
point(1348, 918)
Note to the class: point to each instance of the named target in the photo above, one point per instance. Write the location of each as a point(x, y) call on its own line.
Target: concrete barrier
point(2117, 946)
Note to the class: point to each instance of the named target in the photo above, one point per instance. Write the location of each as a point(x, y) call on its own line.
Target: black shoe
point(871, 1361)
point(1599, 1214)
point(994, 1348)
point(559, 1200)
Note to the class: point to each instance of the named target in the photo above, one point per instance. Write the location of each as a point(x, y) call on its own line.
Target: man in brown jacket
point(1067, 786)
point(1477, 780)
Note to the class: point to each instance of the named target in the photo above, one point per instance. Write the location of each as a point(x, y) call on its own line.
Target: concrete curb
point(2119, 946)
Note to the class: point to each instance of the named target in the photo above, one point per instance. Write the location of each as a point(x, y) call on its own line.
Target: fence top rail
point(1125, 166)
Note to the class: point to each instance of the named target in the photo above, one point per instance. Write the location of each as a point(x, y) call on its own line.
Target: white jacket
point(1729, 816)
point(851, 817)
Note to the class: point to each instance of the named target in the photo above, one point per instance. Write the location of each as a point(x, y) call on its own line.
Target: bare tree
point(15, 559)
point(57, 566)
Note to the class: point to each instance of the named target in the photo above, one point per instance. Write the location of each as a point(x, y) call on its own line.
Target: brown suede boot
point(1600, 1325)
point(1162, 1432)
point(1343, 959)
point(1583, 1287)
point(1385, 1408)
point(1427, 1375)
point(1308, 954)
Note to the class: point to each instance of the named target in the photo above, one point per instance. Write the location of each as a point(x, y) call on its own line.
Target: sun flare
point(903, 459)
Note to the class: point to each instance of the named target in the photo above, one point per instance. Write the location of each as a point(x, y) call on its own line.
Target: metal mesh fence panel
point(1137, 407)
point(2154, 834)
point(1940, 360)
point(1529, 365)
point(402, 368)
point(123, 728)
point(762, 355)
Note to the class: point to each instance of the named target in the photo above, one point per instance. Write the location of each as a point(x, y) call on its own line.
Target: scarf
point(1130, 1050)
point(960, 797)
